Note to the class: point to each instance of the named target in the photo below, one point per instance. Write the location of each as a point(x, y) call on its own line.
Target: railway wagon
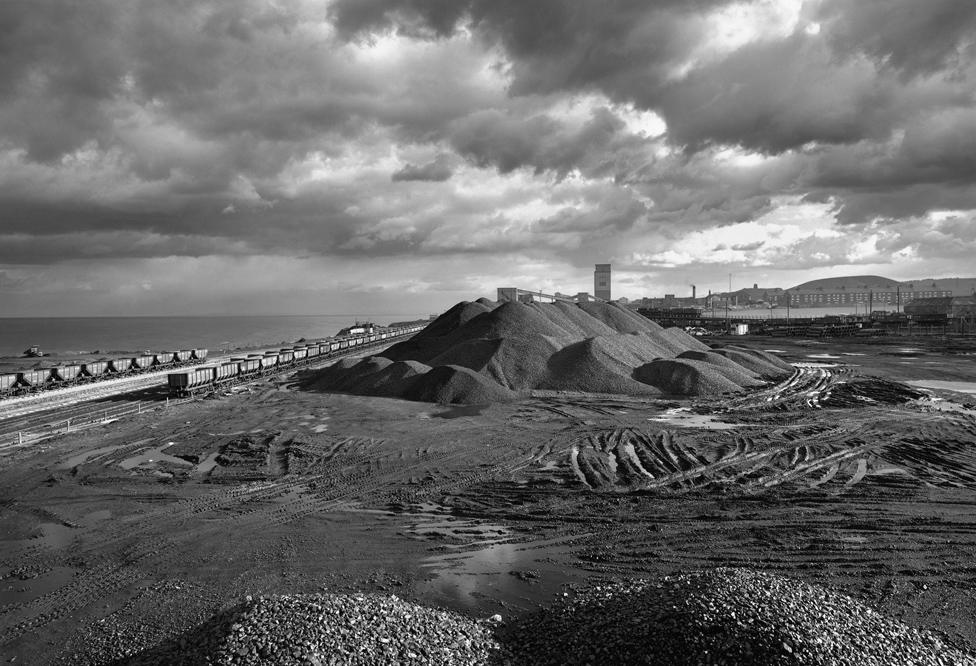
point(33, 378)
point(185, 382)
point(269, 360)
point(8, 383)
point(227, 371)
point(300, 353)
point(92, 369)
point(182, 355)
point(314, 349)
point(64, 373)
point(198, 354)
point(162, 359)
point(144, 362)
point(285, 356)
point(248, 365)
point(120, 365)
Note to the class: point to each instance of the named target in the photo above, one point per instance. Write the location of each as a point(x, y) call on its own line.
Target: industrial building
point(601, 282)
point(942, 307)
point(875, 292)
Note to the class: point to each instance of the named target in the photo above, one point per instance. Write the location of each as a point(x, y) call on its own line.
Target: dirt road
point(118, 537)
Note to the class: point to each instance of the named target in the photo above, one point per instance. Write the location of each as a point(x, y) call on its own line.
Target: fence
point(25, 431)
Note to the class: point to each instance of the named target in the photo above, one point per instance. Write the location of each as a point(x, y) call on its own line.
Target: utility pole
point(728, 299)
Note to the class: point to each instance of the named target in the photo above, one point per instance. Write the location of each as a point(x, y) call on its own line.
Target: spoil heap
point(481, 351)
point(348, 629)
point(723, 616)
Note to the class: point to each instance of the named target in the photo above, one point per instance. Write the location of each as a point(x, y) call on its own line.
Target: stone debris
point(722, 616)
point(327, 629)
point(735, 617)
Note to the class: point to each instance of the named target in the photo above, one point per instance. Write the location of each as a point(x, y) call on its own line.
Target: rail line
point(28, 426)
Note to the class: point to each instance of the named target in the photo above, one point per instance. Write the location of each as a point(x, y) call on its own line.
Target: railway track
point(34, 418)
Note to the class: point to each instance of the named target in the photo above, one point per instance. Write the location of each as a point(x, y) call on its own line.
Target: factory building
point(944, 307)
point(601, 282)
point(874, 291)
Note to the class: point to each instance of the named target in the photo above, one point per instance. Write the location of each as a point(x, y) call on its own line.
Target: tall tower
point(601, 282)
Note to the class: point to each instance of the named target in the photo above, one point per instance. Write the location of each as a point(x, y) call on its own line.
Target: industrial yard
point(854, 473)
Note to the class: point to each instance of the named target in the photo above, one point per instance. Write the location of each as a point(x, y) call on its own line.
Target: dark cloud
point(901, 34)
point(436, 171)
point(208, 128)
point(600, 147)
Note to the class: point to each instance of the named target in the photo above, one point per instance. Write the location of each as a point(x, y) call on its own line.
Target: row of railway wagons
point(242, 368)
point(43, 379)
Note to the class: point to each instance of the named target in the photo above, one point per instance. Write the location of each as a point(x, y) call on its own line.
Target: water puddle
point(685, 418)
point(96, 516)
point(82, 458)
point(775, 351)
point(938, 384)
point(461, 410)
point(55, 535)
point(153, 456)
point(853, 354)
point(207, 463)
point(508, 574)
point(17, 591)
point(822, 356)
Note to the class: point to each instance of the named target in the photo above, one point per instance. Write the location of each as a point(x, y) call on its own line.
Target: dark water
point(74, 334)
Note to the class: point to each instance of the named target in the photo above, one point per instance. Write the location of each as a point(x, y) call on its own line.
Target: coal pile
point(348, 629)
point(722, 616)
point(481, 351)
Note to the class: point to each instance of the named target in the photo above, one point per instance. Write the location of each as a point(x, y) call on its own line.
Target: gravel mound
point(762, 363)
point(722, 616)
point(600, 365)
point(452, 384)
point(483, 352)
point(687, 377)
point(330, 629)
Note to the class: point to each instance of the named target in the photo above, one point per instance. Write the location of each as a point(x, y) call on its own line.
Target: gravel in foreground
point(722, 616)
point(325, 629)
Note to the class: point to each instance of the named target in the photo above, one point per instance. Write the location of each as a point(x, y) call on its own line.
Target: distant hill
point(958, 286)
point(848, 283)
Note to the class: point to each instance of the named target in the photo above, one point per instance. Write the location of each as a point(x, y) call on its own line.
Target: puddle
point(153, 456)
point(508, 574)
point(853, 354)
point(55, 535)
point(775, 351)
point(207, 463)
point(82, 458)
point(960, 387)
point(16, 591)
point(822, 356)
point(460, 410)
point(96, 516)
point(683, 417)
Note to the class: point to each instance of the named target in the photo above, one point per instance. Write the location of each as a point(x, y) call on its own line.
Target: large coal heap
point(482, 351)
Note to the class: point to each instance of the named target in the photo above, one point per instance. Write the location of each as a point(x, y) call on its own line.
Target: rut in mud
point(810, 456)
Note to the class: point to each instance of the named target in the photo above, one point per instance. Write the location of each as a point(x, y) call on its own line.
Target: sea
point(69, 335)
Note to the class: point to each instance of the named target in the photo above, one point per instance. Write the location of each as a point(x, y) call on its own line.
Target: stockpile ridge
point(482, 351)
point(727, 616)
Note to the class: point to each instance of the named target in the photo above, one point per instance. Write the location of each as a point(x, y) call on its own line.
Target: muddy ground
point(117, 538)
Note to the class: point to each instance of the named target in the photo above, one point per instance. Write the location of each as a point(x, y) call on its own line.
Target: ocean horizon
point(68, 335)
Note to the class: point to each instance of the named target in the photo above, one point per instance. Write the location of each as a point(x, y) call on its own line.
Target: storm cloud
point(433, 135)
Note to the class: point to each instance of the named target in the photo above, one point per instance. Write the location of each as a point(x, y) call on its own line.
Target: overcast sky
point(397, 156)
